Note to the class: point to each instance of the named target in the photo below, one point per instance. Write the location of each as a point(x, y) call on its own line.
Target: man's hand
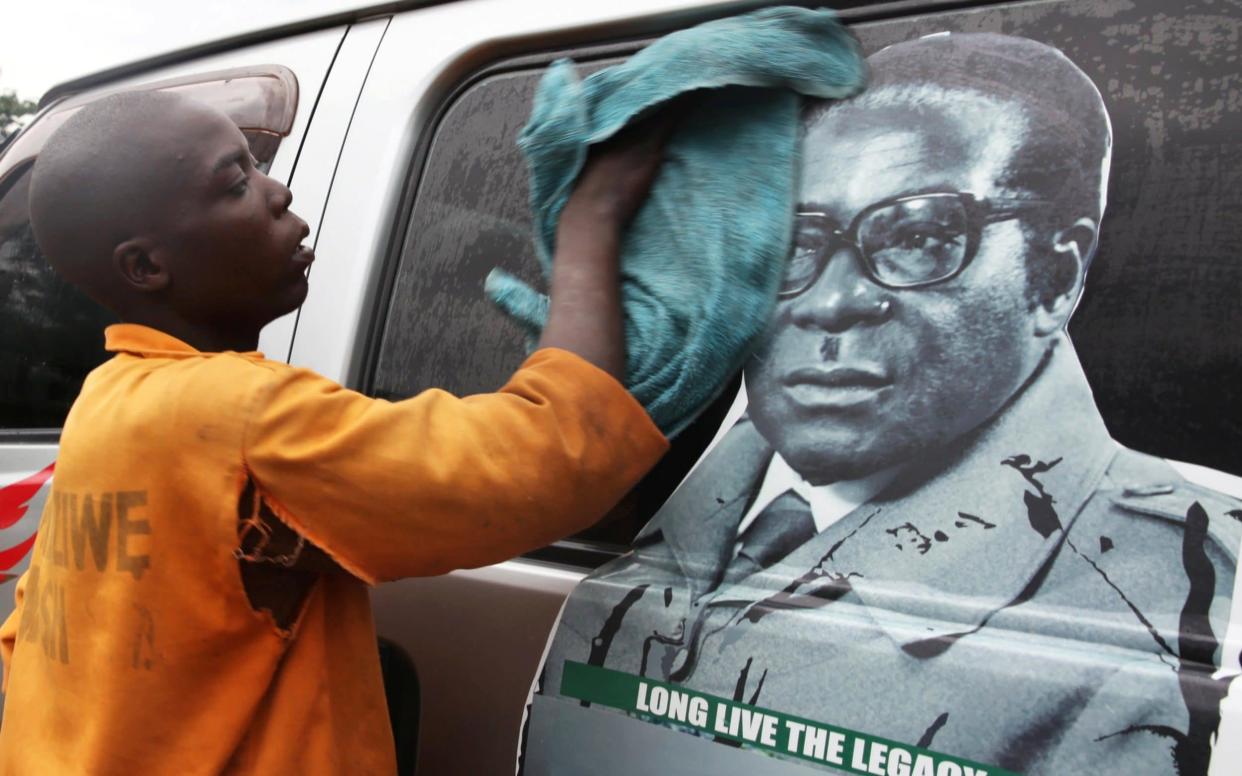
point(584, 313)
point(617, 176)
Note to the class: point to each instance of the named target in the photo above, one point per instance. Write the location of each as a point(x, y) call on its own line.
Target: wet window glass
point(470, 215)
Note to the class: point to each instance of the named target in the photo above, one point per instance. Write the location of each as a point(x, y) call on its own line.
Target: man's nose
point(280, 197)
point(842, 297)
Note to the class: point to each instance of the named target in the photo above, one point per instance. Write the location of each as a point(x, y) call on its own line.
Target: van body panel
point(373, 95)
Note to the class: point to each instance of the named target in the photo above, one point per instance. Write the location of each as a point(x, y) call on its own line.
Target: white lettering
point(795, 732)
point(659, 700)
point(642, 697)
point(898, 762)
point(813, 746)
point(679, 706)
point(768, 736)
point(948, 768)
point(752, 721)
point(720, 726)
point(698, 711)
point(836, 743)
point(875, 763)
point(924, 766)
point(857, 760)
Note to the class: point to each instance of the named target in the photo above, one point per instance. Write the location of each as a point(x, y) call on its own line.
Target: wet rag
point(702, 259)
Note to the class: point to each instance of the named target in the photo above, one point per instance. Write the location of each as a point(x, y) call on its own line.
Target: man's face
point(231, 242)
point(855, 377)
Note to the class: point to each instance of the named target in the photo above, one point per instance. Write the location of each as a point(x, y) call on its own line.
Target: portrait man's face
point(876, 355)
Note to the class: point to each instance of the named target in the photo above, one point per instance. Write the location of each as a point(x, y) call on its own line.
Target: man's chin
point(290, 300)
point(297, 292)
point(824, 464)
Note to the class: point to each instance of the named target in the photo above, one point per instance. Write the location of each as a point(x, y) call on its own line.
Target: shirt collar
point(829, 503)
point(145, 341)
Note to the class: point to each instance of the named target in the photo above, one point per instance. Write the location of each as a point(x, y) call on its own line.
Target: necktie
point(783, 525)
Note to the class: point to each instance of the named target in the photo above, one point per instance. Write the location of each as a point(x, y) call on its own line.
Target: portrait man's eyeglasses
point(905, 242)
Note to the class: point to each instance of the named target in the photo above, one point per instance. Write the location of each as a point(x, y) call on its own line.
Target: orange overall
point(134, 648)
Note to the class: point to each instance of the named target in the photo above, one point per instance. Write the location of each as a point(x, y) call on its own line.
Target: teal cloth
point(702, 259)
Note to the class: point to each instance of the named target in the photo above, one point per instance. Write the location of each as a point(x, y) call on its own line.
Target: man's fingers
point(619, 171)
point(523, 303)
point(651, 129)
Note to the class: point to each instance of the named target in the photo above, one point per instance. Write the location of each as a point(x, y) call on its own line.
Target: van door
point(431, 193)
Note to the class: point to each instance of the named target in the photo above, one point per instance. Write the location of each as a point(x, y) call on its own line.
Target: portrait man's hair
point(1052, 119)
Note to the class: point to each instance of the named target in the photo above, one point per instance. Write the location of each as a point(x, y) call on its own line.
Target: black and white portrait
point(916, 523)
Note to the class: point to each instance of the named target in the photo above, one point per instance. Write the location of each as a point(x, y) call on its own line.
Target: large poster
point(915, 547)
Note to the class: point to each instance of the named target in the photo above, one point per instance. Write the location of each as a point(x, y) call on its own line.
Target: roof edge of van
point(220, 45)
point(849, 10)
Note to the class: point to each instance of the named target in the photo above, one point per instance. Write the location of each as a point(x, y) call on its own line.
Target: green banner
point(765, 729)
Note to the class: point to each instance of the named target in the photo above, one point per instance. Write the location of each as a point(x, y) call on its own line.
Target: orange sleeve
point(8, 631)
point(435, 482)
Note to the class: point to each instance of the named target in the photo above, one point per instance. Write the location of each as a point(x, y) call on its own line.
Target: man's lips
point(835, 386)
point(865, 376)
point(303, 255)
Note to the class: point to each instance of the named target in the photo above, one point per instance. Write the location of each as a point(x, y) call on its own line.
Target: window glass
point(470, 215)
point(51, 334)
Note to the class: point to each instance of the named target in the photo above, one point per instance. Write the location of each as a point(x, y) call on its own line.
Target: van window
point(470, 215)
point(51, 333)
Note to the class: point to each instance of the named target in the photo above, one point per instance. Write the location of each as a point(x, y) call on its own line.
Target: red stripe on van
point(15, 498)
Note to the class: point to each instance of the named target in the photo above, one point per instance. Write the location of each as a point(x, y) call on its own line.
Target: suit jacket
point(1040, 599)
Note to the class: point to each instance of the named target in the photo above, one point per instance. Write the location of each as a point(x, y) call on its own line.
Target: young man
point(197, 601)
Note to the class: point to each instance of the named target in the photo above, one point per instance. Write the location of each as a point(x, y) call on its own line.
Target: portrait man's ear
point(139, 267)
point(1068, 256)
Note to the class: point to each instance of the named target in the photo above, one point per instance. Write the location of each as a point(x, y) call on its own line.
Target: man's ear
point(1070, 250)
point(139, 267)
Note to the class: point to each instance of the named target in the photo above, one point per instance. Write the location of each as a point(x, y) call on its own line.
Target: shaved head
point(94, 185)
point(153, 204)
